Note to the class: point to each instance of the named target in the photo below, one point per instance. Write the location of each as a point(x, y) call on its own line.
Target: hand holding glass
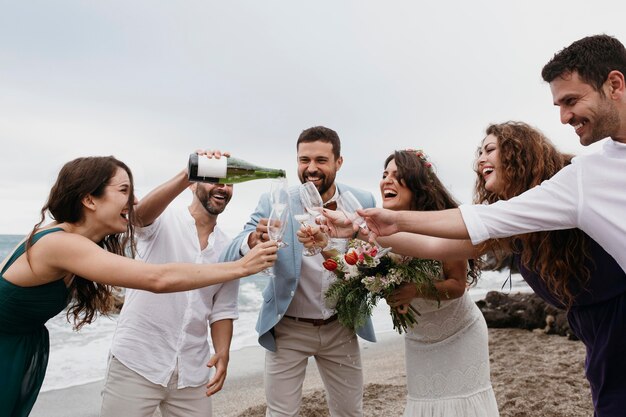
point(276, 226)
point(349, 204)
point(312, 204)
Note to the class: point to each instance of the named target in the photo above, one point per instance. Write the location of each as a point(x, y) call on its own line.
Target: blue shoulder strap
point(20, 249)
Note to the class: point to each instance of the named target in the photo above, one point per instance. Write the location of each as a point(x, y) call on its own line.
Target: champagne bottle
point(226, 170)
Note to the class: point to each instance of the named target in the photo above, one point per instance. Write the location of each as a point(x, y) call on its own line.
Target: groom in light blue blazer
point(295, 322)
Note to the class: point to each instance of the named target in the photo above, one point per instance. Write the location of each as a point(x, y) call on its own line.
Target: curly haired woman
point(566, 268)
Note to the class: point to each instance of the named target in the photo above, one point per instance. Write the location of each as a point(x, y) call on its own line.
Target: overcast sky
point(149, 81)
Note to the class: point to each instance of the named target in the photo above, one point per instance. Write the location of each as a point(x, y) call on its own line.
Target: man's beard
point(205, 200)
point(606, 122)
point(213, 210)
point(324, 185)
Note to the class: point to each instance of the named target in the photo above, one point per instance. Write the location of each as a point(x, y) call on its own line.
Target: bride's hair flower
point(422, 156)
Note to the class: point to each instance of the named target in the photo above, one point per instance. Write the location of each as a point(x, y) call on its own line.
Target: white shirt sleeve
point(147, 237)
point(244, 248)
point(147, 232)
point(476, 228)
point(553, 205)
point(225, 302)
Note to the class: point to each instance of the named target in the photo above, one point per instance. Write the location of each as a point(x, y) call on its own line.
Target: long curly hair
point(76, 180)
point(427, 192)
point(528, 158)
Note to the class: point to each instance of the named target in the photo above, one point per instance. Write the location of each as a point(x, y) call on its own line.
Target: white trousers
point(128, 394)
point(336, 352)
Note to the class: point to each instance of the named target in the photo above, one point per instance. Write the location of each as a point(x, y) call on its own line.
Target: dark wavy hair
point(528, 158)
point(592, 57)
point(427, 192)
point(76, 180)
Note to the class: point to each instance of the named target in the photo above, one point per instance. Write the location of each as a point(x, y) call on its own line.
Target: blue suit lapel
point(296, 207)
point(290, 257)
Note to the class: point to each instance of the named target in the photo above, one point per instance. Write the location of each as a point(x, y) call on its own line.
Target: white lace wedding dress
point(447, 361)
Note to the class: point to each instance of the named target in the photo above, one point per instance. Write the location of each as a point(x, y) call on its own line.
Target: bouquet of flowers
point(364, 278)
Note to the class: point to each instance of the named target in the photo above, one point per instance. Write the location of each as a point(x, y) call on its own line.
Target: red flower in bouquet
point(351, 258)
point(330, 264)
point(365, 278)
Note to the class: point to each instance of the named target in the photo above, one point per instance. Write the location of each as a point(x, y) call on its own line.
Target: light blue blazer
point(279, 291)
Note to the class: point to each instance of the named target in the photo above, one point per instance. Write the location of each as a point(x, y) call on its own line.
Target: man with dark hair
point(295, 321)
point(324, 134)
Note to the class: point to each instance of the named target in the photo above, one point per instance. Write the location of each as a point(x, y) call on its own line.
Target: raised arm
point(156, 201)
point(61, 253)
point(445, 223)
point(409, 244)
point(428, 247)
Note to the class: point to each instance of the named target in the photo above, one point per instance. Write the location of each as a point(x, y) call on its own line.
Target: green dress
point(24, 343)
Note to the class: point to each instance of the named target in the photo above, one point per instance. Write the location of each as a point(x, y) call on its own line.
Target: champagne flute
point(312, 204)
point(279, 196)
point(279, 203)
point(348, 204)
point(276, 226)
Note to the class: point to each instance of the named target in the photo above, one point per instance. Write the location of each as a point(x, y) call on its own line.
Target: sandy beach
point(533, 374)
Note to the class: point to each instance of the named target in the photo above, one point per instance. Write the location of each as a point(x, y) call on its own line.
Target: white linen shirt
point(309, 300)
point(157, 332)
point(589, 194)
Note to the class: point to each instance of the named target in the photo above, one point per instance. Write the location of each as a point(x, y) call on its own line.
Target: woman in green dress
point(77, 260)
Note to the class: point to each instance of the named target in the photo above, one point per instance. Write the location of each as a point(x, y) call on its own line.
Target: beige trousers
point(128, 394)
point(336, 352)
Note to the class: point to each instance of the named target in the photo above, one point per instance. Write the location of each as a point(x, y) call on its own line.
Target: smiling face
point(489, 165)
point(317, 164)
point(592, 114)
point(113, 205)
point(213, 197)
point(395, 194)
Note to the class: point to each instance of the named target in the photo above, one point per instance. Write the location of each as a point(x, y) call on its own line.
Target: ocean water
point(80, 357)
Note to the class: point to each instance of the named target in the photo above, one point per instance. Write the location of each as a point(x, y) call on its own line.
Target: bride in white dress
point(447, 361)
point(447, 351)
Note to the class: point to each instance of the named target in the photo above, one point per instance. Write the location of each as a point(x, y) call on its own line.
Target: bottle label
point(215, 168)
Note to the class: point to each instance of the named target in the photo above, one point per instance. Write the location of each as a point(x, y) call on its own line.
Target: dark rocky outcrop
point(523, 311)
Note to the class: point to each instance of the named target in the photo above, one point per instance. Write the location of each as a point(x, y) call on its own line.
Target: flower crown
point(421, 155)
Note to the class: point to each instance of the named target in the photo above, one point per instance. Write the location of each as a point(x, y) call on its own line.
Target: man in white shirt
point(295, 321)
point(587, 83)
point(160, 355)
